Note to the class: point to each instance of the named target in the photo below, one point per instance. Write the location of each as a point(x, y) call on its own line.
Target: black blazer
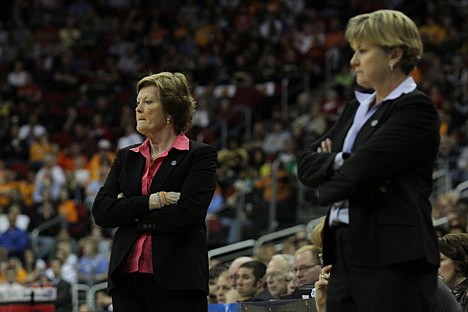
point(180, 257)
point(396, 147)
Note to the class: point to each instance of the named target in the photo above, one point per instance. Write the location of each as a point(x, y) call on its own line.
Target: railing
point(36, 231)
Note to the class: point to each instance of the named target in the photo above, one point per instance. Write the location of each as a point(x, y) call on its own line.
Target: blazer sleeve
point(196, 194)
point(110, 211)
point(408, 137)
point(315, 168)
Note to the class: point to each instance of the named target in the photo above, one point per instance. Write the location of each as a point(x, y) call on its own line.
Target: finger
point(328, 142)
point(319, 150)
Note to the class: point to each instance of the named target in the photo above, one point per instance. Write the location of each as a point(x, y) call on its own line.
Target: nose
point(138, 108)
point(353, 62)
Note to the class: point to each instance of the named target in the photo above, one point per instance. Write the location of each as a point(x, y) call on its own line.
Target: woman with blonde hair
point(374, 169)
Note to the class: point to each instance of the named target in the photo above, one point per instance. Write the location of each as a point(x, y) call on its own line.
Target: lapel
point(347, 120)
point(372, 124)
point(172, 160)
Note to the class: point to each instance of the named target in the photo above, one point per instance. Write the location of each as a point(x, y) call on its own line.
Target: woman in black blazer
point(374, 168)
point(157, 195)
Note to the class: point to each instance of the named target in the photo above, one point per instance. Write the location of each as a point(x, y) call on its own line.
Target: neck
point(389, 85)
point(161, 142)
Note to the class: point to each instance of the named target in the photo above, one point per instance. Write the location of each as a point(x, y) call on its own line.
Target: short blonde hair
point(388, 29)
point(175, 97)
point(314, 250)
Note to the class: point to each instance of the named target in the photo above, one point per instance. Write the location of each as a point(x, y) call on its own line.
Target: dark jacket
point(180, 259)
point(395, 147)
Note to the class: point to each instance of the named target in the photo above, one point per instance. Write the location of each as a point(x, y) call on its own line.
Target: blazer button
point(145, 226)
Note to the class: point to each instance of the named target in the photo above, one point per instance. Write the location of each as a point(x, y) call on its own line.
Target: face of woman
point(150, 115)
point(371, 64)
point(447, 271)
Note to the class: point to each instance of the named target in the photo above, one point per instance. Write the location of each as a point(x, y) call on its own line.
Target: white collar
point(407, 86)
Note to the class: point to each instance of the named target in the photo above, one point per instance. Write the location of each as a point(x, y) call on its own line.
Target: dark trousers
point(138, 292)
point(404, 287)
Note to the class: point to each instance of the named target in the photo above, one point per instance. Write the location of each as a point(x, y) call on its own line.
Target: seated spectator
point(103, 301)
point(233, 295)
point(14, 240)
point(103, 155)
point(223, 286)
point(213, 276)
point(454, 265)
point(63, 302)
point(22, 220)
point(92, 266)
point(11, 288)
point(33, 265)
point(276, 139)
point(277, 272)
point(131, 136)
point(251, 281)
point(307, 265)
point(49, 180)
point(46, 239)
point(69, 261)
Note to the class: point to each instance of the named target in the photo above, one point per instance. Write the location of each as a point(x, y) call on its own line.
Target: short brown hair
point(175, 97)
point(455, 247)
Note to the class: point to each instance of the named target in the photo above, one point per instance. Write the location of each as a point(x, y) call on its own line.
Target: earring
point(168, 120)
point(391, 67)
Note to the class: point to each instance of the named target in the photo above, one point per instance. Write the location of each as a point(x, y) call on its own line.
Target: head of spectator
point(277, 273)
point(251, 279)
point(213, 276)
point(223, 286)
point(291, 283)
point(307, 267)
point(453, 250)
point(234, 267)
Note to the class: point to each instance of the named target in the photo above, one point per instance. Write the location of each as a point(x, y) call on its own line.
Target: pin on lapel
point(173, 163)
point(374, 123)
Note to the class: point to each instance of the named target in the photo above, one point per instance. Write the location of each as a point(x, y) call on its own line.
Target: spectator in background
point(307, 265)
point(130, 137)
point(233, 295)
point(45, 212)
point(14, 240)
point(63, 302)
point(213, 275)
point(275, 140)
point(11, 288)
point(250, 279)
point(454, 265)
point(223, 286)
point(49, 181)
point(277, 272)
point(22, 221)
point(69, 262)
point(103, 156)
point(33, 265)
point(92, 265)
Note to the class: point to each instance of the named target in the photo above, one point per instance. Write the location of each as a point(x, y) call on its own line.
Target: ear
point(396, 54)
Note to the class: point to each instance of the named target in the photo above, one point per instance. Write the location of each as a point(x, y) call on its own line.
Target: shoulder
point(197, 146)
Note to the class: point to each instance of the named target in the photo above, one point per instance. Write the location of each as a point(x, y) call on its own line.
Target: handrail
point(232, 248)
point(91, 295)
point(35, 232)
point(277, 235)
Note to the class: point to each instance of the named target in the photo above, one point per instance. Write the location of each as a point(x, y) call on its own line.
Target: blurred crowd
point(67, 97)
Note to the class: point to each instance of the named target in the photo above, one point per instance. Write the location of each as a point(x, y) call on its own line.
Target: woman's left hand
point(321, 289)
